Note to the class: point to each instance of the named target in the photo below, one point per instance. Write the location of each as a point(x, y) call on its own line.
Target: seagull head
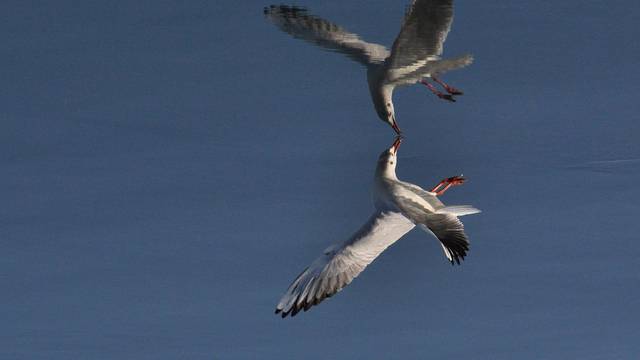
point(388, 115)
point(389, 158)
point(383, 104)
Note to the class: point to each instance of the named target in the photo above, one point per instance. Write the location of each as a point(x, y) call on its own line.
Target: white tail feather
point(442, 66)
point(458, 210)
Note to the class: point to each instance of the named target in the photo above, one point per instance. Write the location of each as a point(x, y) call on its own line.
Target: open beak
point(394, 125)
point(396, 144)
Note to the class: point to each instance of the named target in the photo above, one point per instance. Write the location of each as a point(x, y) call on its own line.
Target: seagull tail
point(442, 66)
point(458, 210)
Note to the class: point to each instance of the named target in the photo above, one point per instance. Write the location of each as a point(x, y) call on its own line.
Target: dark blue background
point(169, 167)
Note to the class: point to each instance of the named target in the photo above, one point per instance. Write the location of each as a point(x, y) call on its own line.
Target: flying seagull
point(399, 207)
point(414, 57)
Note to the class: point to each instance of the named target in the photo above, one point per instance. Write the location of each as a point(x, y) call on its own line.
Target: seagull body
point(414, 57)
point(399, 207)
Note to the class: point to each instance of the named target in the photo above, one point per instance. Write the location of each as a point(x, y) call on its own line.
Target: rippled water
point(168, 168)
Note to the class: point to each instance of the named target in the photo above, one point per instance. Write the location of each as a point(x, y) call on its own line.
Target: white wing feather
point(341, 263)
point(302, 25)
point(425, 209)
point(423, 33)
point(416, 52)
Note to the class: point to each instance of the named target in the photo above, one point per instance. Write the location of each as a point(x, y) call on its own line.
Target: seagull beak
point(394, 125)
point(396, 144)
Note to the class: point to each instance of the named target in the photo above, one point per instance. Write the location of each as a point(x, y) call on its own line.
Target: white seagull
point(399, 207)
point(414, 57)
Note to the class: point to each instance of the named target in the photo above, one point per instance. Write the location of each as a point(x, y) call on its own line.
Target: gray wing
point(341, 263)
point(430, 214)
point(423, 33)
point(417, 49)
point(450, 231)
point(300, 24)
point(427, 196)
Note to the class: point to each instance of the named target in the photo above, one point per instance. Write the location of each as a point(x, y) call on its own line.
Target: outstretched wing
point(450, 231)
point(447, 228)
point(300, 24)
point(341, 263)
point(423, 33)
point(427, 211)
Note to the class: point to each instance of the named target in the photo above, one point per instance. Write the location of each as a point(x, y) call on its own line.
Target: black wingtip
point(283, 314)
point(286, 9)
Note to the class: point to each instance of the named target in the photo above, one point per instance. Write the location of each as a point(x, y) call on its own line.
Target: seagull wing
point(300, 24)
point(450, 231)
point(428, 212)
point(417, 49)
point(423, 33)
point(341, 263)
point(431, 198)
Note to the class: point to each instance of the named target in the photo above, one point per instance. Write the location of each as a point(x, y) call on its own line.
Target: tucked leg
point(445, 184)
point(450, 89)
point(436, 92)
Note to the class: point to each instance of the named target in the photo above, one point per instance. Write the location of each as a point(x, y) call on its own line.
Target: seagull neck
point(386, 173)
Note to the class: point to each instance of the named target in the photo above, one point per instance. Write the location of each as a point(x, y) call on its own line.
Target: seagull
point(414, 57)
point(399, 207)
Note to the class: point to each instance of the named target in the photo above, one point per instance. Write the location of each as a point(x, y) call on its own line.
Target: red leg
point(438, 186)
point(447, 183)
point(444, 189)
point(436, 92)
point(450, 89)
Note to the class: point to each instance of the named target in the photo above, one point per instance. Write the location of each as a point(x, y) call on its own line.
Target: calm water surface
point(168, 168)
